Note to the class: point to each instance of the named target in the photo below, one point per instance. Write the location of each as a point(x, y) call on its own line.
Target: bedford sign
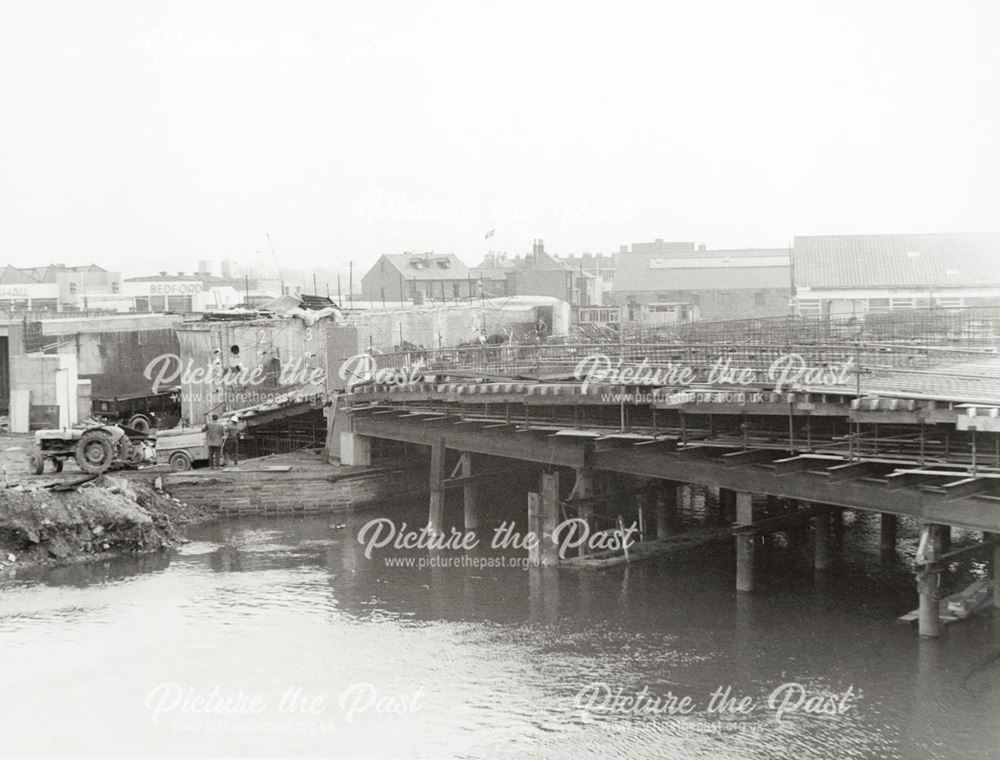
point(163, 288)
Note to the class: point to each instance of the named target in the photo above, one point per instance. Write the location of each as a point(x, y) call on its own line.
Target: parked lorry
point(95, 447)
point(141, 411)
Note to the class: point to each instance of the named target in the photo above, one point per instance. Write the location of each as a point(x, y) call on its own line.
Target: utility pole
point(350, 284)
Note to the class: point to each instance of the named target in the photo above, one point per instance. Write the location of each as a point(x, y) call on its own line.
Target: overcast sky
point(147, 135)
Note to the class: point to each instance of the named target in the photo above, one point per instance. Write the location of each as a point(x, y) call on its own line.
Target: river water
point(279, 637)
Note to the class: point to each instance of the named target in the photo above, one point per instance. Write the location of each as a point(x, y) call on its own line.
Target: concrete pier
point(744, 542)
point(355, 449)
point(471, 504)
point(584, 489)
point(550, 518)
point(435, 517)
point(929, 583)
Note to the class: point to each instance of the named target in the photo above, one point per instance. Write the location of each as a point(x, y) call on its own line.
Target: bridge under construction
point(792, 420)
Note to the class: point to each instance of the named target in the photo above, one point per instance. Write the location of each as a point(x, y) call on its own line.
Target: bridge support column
point(888, 532)
point(355, 449)
point(584, 490)
point(943, 539)
point(550, 518)
point(435, 517)
point(469, 494)
point(929, 585)
point(744, 542)
point(821, 543)
point(666, 510)
point(995, 572)
point(994, 567)
point(535, 528)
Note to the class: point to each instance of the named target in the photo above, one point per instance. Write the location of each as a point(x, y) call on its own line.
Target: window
point(72, 288)
point(949, 302)
point(879, 304)
point(115, 286)
point(808, 306)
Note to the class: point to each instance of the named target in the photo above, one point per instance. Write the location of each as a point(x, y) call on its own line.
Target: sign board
point(29, 290)
point(163, 288)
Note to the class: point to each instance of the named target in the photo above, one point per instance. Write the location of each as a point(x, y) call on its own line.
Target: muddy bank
point(106, 516)
point(142, 511)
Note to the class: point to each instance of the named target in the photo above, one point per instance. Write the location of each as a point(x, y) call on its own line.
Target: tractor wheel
point(140, 423)
point(57, 464)
point(180, 461)
point(95, 452)
point(36, 463)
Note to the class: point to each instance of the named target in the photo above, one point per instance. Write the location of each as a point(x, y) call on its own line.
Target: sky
point(145, 136)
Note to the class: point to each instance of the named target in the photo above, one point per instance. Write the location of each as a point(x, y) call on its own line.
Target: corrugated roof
point(639, 272)
point(892, 261)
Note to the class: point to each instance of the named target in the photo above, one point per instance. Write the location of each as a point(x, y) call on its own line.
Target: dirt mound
point(106, 515)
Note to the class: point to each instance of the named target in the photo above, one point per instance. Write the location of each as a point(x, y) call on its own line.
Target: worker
point(232, 440)
point(215, 439)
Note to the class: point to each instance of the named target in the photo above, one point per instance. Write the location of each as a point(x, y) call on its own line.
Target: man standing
point(215, 438)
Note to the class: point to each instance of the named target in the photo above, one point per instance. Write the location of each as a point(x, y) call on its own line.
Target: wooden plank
point(462, 480)
point(782, 522)
point(851, 471)
point(752, 456)
point(958, 489)
point(801, 464)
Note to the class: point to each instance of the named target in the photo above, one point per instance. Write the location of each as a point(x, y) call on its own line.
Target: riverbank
point(142, 511)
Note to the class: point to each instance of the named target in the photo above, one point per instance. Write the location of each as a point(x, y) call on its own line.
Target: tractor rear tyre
point(95, 453)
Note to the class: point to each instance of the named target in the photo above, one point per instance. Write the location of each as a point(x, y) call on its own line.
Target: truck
point(141, 411)
point(95, 447)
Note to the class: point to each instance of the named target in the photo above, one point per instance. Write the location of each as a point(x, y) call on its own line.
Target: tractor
point(95, 447)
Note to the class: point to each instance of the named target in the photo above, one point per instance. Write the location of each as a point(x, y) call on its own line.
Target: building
point(183, 293)
point(664, 278)
point(395, 327)
point(493, 274)
point(541, 274)
point(601, 265)
point(50, 368)
point(57, 287)
point(418, 277)
point(847, 274)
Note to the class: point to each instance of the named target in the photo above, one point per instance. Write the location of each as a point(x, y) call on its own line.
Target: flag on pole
point(490, 234)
